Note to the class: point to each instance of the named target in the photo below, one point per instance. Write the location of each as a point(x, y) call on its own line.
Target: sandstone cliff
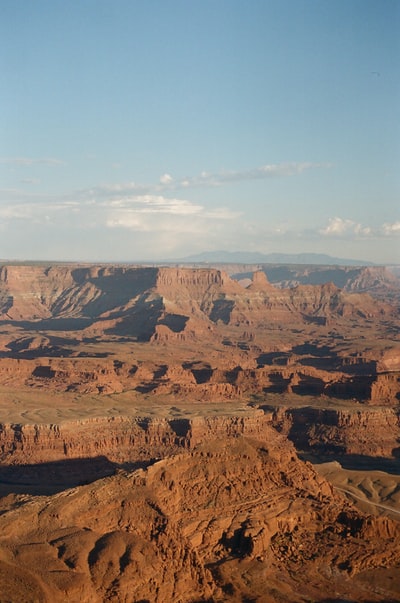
point(121, 439)
point(372, 433)
point(199, 526)
point(379, 281)
point(63, 449)
point(131, 376)
point(368, 381)
point(167, 296)
point(78, 327)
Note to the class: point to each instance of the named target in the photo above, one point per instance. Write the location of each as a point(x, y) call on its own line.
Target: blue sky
point(142, 130)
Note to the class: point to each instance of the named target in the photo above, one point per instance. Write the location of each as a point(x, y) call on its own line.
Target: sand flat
point(31, 406)
point(374, 492)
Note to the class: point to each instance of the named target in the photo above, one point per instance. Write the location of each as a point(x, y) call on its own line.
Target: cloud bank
point(274, 170)
point(159, 220)
point(341, 226)
point(167, 183)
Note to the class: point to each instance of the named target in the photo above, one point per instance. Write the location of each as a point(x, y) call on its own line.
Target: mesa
point(250, 427)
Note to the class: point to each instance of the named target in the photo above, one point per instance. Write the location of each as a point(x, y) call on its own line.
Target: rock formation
point(372, 433)
point(145, 432)
point(167, 296)
point(379, 281)
point(199, 526)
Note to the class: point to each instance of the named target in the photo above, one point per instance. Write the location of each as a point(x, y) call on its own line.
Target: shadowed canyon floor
point(149, 424)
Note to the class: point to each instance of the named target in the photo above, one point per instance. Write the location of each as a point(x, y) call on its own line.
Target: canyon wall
point(368, 432)
point(373, 433)
point(232, 520)
point(121, 439)
point(362, 379)
point(43, 292)
point(68, 321)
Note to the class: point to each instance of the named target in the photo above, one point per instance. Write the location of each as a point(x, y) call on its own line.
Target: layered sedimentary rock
point(372, 432)
point(199, 526)
point(255, 339)
point(379, 281)
point(221, 508)
point(129, 440)
point(359, 379)
point(121, 439)
point(168, 295)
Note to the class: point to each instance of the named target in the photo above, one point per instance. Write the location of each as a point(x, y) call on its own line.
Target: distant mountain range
point(250, 257)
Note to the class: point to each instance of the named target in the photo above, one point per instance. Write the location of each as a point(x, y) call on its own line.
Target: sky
point(148, 130)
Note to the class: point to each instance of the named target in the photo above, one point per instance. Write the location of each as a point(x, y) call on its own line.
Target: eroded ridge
point(199, 526)
point(146, 423)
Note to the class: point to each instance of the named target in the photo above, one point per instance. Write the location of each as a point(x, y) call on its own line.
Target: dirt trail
point(366, 501)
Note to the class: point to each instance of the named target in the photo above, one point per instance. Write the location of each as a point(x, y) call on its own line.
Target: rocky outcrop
point(372, 433)
point(378, 281)
point(40, 292)
point(368, 432)
point(120, 439)
point(256, 340)
point(169, 296)
point(105, 369)
point(199, 526)
point(359, 378)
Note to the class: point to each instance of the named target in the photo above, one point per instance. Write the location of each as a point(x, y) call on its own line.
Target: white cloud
point(112, 211)
point(337, 226)
point(363, 231)
point(117, 188)
point(391, 229)
point(172, 226)
point(165, 220)
point(344, 227)
point(153, 204)
point(166, 179)
point(167, 223)
point(265, 171)
point(16, 212)
point(150, 213)
point(126, 219)
point(222, 213)
point(203, 180)
point(287, 169)
point(154, 226)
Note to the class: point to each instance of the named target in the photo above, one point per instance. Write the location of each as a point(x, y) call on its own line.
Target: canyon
point(157, 426)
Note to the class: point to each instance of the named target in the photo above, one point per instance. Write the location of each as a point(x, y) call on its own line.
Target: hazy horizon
point(136, 131)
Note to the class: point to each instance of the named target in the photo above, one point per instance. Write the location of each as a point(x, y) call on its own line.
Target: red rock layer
point(367, 432)
point(372, 432)
point(231, 520)
point(40, 292)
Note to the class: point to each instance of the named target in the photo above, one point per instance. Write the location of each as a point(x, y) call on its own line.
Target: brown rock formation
point(198, 526)
point(104, 369)
point(51, 312)
point(167, 295)
point(120, 439)
point(378, 281)
point(374, 432)
point(359, 378)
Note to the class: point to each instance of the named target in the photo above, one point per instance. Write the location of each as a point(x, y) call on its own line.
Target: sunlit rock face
point(148, 426)
point(230, 518)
